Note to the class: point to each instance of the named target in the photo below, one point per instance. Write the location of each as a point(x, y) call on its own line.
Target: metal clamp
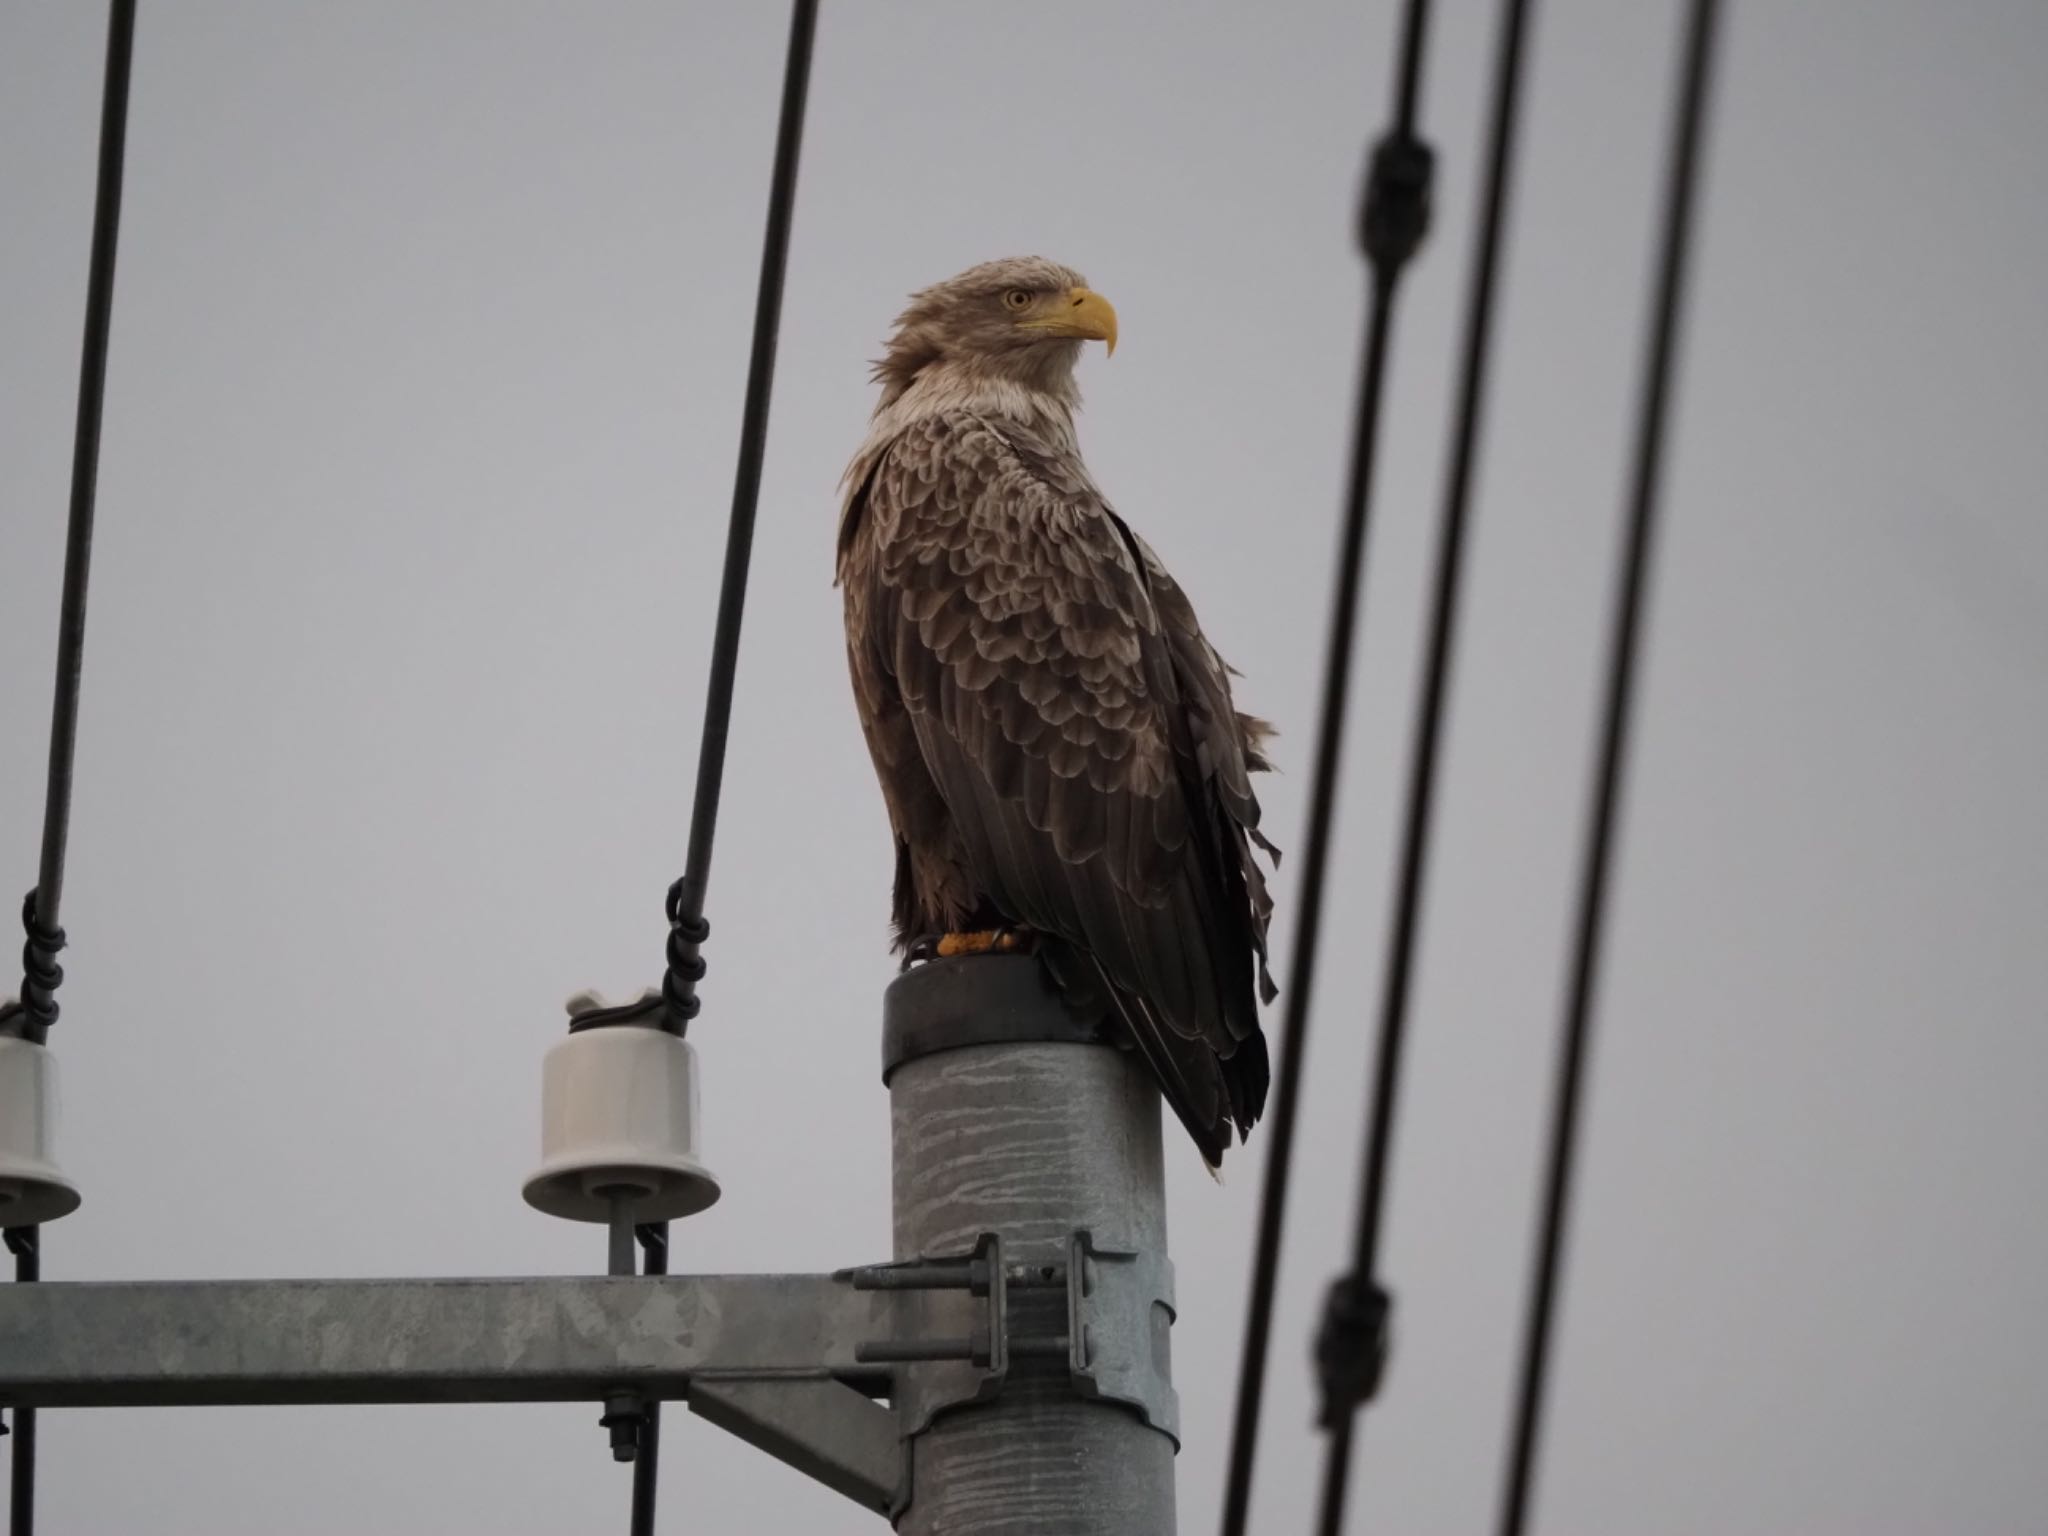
point(1119, 1308)
point(970, 1355)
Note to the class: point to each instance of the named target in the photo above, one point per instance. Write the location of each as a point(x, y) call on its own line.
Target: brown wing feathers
point(1078, 729)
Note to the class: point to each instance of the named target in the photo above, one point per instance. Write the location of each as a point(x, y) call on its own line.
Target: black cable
point(25, 1243)
point(41, 974)
point(1682, 179)
point(685, 903)
point(687, 928)
point(653, 1238)
point(1394, 219)
point(1355, 1315)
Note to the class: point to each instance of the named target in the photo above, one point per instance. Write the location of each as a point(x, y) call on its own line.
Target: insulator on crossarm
point(619, 1115)
point(33, 1189)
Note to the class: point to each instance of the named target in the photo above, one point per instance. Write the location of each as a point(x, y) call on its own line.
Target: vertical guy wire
point(1682, 178)
point(653, 1238)
point(25, 1243)
point(1340, 1418)
point(687, 928)
point(1398, 152)
point(41, 974)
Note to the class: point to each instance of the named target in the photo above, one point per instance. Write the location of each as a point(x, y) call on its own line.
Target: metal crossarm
point(169, 1344)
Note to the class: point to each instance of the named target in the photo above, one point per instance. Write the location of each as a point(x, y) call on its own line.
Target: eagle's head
point(1021, 320)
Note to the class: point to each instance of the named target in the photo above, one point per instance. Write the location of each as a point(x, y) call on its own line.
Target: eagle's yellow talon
point(989, 941)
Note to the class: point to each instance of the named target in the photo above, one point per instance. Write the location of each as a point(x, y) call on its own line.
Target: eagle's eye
point(1017, 299)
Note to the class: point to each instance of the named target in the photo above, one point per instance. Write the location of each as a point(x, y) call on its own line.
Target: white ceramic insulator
point(33, 1188)
point(619, 1111)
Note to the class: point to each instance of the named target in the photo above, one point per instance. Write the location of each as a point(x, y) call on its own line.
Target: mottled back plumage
point(1056, 740)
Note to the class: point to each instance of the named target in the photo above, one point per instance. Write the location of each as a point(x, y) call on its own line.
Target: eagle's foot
point(988, 941)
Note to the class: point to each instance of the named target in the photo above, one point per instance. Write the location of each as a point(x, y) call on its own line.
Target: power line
point(687, 928)
point(1394, 219)
point(1354, 1319)
point(41, 974)
point(1680, 191)
point(685, 902)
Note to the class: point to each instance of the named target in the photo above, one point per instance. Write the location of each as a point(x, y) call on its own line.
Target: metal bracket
point(1119, 1310)
point(968, 1356)
point(822, 1428)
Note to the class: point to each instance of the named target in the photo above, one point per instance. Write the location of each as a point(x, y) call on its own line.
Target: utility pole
point(1009, 1117)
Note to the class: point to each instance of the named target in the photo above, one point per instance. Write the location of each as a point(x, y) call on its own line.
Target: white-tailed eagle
point(1062, 762)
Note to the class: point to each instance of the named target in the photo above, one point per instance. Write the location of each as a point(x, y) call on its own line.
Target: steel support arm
point(824, 1429)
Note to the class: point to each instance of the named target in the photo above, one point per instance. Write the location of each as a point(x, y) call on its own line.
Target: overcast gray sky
point(427, 354)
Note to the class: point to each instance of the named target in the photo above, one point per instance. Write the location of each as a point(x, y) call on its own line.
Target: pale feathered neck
point(1042, 404)
point(1045, 410)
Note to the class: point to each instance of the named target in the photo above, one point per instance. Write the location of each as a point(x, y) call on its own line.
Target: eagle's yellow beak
point(1079, 312)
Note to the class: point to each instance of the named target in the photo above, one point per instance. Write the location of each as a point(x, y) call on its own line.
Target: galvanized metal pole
point(1008, 1117)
